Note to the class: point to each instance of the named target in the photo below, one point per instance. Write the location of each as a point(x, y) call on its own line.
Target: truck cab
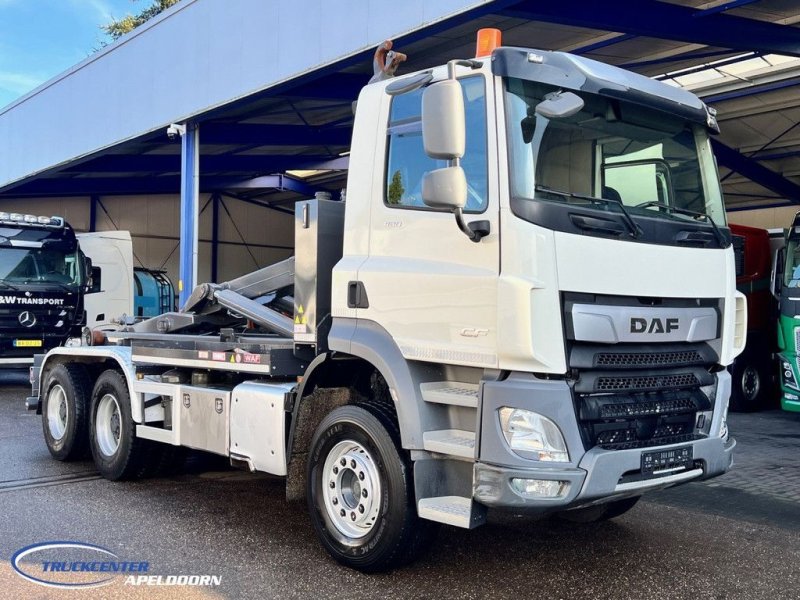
point(42, 280)
point(593, 317)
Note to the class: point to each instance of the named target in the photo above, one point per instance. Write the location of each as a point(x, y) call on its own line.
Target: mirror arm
point(476, 230)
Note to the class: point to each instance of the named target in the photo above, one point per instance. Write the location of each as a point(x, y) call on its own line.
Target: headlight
point(534, 434)
point(788, 375)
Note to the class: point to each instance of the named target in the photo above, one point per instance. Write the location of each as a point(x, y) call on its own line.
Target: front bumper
point(597, 477)
point(594, 476)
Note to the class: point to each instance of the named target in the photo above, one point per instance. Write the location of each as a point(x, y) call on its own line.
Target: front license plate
point(28, 343)
point(662, 462)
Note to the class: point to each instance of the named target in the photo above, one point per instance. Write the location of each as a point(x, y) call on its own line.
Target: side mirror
point(776, 279)
point(445, 189)
point(559, 105)
point(87, 272)
point(443, 120)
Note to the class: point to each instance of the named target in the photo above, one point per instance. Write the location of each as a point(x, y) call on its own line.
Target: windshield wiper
point(689, 213)
point(634, 229)
point(9, 286)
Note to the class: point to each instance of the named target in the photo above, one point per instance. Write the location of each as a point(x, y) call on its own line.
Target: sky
point(41, 38)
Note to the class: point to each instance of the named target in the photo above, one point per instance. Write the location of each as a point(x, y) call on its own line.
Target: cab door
point(424, 281)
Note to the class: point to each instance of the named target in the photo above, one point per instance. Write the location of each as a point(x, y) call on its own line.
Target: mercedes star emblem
point(27, 319)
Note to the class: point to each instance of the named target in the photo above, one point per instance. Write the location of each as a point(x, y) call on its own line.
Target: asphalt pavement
point(734, 537)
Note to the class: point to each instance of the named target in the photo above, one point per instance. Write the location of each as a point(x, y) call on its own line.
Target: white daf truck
point(526, 303)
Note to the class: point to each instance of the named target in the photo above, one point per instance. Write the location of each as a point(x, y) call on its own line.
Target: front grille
point(47, 320)
point(643, 409)
point(620, 420)
point(797, 338)
point(650, 382)
point(648, 359)
point(632, 392)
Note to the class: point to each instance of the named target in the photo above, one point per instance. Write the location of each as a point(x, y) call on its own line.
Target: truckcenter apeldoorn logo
point(77, 565)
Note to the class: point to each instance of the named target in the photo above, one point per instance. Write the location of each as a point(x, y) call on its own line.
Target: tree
point(117, 28)
point(396, 189)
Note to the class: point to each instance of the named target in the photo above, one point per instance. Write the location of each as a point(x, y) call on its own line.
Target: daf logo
point(218, 405)
point(27, 294)
point(656, 325)
point(27, 319)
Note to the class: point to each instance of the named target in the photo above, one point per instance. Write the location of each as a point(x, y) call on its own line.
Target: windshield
point(653, 163)
point(39, 265)
point(791, 272)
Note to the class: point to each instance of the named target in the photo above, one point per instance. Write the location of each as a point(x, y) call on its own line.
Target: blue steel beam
point(275, 135)
point(228, 163)
point(756, 172)
point(190, 209)
point(671, 59)
point(604, 44)
point(777, 155)
point(651, 18)
point(752, 90)
point(122, 186)
point(281, 183)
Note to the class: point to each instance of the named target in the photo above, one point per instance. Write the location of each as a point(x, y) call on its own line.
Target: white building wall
point(765, 218)
point(154, 223)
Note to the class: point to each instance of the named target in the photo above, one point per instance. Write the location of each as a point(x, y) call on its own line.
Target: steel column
point(190, 209)
point(214, 236)
point(93, 200)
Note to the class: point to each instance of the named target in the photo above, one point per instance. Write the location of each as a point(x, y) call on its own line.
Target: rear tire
point(360, 491)
point(65, 405)
point(117, 452)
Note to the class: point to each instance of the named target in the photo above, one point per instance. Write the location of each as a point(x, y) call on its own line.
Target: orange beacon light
point(488, 40)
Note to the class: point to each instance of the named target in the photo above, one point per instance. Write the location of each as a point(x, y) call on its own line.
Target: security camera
point(175, 130)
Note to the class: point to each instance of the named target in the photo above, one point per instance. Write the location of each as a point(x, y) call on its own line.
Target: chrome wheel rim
point(108, 425)
point(351, 489)
point(57, 411)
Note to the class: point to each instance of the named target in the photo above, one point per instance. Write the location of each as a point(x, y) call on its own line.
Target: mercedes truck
point(786, 288)
point(43, 278)
point(527, 303)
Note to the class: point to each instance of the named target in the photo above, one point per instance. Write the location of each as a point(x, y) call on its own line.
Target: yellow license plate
point(28, 343)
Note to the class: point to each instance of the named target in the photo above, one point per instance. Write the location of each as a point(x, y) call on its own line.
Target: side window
point(406, 158)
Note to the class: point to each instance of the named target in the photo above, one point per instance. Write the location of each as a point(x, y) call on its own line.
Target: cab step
point(452, 510)
point(453, 442)
point(450, 392)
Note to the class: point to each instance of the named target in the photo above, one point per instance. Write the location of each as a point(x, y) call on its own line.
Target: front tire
point(65, 404)
point(749, 381)
point(360, 491)
point(117, 452)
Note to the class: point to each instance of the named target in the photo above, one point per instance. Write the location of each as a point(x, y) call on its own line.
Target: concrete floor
point(735, 537)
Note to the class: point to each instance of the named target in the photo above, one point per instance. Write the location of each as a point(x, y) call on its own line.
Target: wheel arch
point(97, 359)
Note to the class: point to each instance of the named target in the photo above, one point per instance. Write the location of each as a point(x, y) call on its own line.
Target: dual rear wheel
point(79, 420)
